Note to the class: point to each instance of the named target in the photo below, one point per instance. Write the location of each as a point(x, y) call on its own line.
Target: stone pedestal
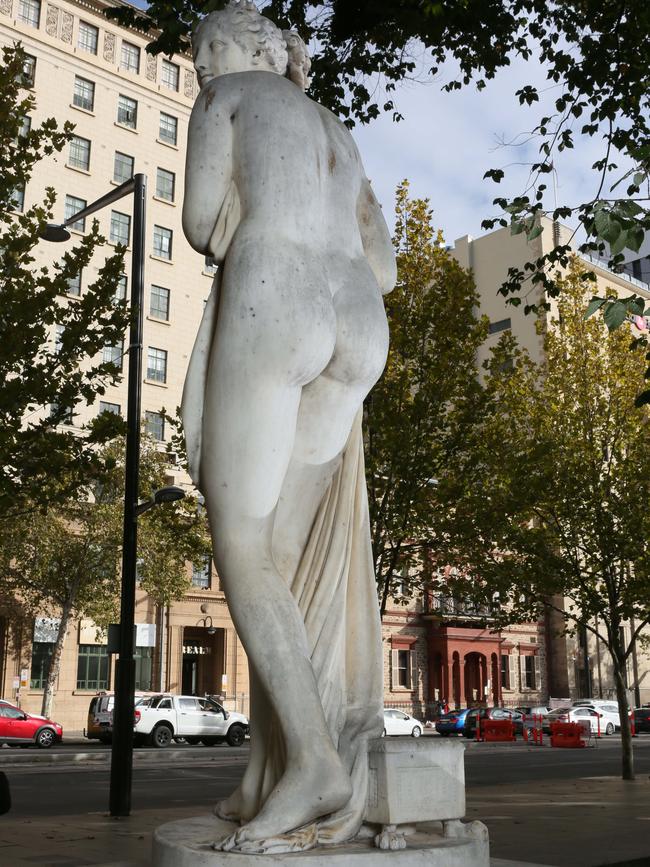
point(416, 799)
point(188, 844)
point(415, 780)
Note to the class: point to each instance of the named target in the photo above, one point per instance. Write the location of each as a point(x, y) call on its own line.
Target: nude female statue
point(293, 337)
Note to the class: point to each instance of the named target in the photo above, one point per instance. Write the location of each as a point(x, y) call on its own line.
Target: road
point(203, 775)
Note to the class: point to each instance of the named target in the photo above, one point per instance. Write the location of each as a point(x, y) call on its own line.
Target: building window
point(74, 285)
point(112, 354)
point(25, 127)
point(505, 672)
point(84, 93)
point(120, 228)
point(127, 111)
point(162, 242)
point(143, 668)
point(72, 206)
point(531, 675)
point(17, 198)
point(403, 668)
point(165, 183)
point(29, 12)
point(79, 157)
point(168, 129)
point(113, 408)
point(130, 59)
point(92, 666)
point(120, 292)
point(202, 573)
point(58, 338)
point(123, 166)
point(500, 325)
point(159, 303)
point(41, 655)
point(170, 75)
point(61, 414)
point(26, 79)
point(157, 364)
point(154, 424)
point(88, 37)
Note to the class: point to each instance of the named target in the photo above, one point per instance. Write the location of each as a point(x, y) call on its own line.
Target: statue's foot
point(300, 797)
point(236, 807)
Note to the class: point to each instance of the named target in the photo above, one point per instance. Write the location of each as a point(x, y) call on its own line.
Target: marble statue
point(293, 337)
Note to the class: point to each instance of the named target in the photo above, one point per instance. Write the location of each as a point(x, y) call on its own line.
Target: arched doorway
point(475, 678)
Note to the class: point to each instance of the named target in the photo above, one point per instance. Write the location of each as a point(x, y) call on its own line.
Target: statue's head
point(239, 39)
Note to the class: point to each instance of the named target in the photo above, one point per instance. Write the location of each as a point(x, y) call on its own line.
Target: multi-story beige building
point(131, 112)
point(576, 666)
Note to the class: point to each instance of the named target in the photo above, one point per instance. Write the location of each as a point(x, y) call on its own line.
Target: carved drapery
point(5, 7)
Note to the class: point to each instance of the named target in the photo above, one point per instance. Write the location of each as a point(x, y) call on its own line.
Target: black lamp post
point(123, 712)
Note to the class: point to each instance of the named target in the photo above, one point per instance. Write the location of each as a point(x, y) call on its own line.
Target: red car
point(19, 727)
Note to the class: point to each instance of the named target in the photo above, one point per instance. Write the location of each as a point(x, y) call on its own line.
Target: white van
point(611, 720)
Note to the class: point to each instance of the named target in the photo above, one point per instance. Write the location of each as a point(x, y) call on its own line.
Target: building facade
point(131, 112)
point(576, 666)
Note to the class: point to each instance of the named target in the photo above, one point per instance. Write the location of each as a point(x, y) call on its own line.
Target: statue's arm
point(376, 239)
point(208, 167)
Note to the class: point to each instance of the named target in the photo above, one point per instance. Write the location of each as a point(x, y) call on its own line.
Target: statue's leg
point(246, 800)
point(248, 436)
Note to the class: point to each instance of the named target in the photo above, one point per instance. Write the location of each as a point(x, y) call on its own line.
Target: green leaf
point(601, 222)
point(535, 232)
point(635, 238)
point(615, 315)
point(594, 305)
point(612, 230)
point(620, 243)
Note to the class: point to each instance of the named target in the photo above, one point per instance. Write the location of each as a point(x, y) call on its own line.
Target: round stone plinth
point(188, 843)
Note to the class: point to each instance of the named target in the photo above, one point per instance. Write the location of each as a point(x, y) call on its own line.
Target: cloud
point(447, 142)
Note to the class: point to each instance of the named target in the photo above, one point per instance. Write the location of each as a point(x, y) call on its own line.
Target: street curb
point(49, 757)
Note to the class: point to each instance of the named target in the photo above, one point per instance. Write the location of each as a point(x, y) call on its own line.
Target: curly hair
point(252, 32)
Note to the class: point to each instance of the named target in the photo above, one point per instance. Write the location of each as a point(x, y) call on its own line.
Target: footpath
point(583, 822)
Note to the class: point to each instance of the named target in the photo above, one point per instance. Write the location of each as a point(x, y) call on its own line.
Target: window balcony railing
point(449, 608)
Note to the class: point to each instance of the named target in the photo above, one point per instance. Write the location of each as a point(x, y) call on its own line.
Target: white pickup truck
point(162, 718)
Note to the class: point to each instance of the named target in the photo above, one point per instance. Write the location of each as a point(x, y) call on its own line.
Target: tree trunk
point(627, 754)
point(57, 652)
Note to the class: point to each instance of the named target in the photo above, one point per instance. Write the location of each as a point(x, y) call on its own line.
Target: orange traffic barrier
point(567, 735)
point(498, 730)
point(536, 732)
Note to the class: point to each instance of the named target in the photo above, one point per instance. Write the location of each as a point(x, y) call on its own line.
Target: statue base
point(188, 843)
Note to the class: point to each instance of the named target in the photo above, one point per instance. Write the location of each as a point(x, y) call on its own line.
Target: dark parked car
point(533, 710)
point(19, 727)
point(451, 723)
point(642, 719)
point(495, 713)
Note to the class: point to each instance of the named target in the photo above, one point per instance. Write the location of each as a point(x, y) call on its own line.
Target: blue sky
point(448, 140)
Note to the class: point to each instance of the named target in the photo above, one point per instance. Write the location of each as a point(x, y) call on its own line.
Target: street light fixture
point(123, 711)
point(211, 629)
point(163, 495)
